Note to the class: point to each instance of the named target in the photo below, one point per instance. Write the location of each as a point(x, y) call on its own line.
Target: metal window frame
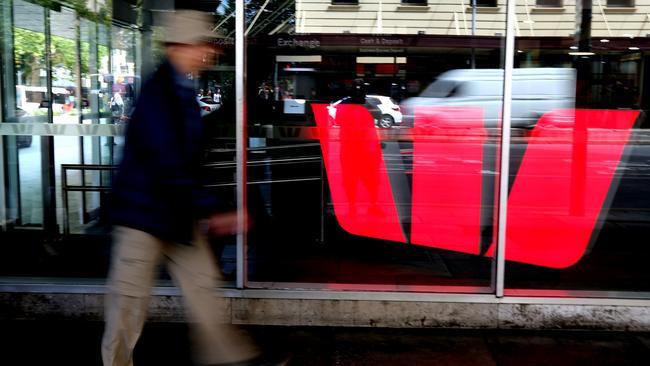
point(497, 287)
point(504, 171)
point(498, 293)
point(240, 143)
point(3, 198)
point(61, 286)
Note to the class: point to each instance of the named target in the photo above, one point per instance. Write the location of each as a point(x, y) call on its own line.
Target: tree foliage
point(29, 54)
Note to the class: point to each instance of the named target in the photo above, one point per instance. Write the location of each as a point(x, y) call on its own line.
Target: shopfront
point(387, 152)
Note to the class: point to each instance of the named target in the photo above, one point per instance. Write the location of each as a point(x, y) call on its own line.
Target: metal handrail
point(65, 187)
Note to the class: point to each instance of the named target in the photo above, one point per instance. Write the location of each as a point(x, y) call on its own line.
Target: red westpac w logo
point(554, 204)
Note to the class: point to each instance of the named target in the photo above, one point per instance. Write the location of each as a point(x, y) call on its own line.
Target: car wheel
point(386, 121)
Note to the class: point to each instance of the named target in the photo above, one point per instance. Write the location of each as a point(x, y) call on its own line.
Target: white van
point(535, 91)
point(29, 98)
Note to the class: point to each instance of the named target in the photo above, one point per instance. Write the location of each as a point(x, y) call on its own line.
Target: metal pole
point(79, 100)
point(473, 60)
point(3, 200)
point(473, 17)
point(10, 177)
point(505, 149)
point(240, 115)
point(47, 146)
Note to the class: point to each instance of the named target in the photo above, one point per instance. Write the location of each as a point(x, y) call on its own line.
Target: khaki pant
point(136, 256)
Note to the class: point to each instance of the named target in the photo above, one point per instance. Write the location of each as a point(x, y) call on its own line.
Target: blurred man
point(162, 212)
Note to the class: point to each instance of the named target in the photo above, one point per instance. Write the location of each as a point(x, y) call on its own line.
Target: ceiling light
point(633, 48)
point(574, 47)
point(581, 53)
point(604, 40)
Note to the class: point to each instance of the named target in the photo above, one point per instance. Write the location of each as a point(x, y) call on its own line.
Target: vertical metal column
point(79, 105)
point(504, 172)
point(473, 59)
point(3, 199)
point(10, 199)
point(47, 146)
point(240, 125)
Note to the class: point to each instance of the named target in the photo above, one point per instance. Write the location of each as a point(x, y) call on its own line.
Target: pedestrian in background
point(162, 213)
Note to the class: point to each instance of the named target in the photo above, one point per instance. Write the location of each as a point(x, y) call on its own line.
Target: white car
point(207, 105)
point(382, 109)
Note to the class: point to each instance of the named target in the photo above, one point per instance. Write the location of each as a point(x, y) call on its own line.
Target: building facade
point(405, 163)
point(534, 18)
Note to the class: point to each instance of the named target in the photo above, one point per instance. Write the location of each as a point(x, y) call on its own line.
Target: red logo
point(554, 204)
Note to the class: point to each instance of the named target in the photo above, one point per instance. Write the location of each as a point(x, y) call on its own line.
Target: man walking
point(161, 211)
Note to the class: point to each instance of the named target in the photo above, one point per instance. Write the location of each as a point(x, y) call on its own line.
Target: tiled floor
point(77, 343)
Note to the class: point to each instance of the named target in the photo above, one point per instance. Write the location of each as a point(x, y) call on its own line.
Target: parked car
point(382, 109)
point(207, 105)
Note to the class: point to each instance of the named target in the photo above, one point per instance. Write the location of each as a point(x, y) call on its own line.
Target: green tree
point(29, 54)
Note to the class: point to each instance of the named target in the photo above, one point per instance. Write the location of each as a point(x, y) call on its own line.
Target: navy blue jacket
point(159, 184)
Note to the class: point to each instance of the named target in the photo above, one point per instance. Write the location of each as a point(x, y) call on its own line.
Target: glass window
point(368, 166)
point(549, 3)
point(486, 3)
point(414, 2)
point(577, 207)
point(620, 3)
point(25, 175)
point(48, 227)
point(124, 73)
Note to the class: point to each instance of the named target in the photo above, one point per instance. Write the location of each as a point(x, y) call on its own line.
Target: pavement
point(76, 342)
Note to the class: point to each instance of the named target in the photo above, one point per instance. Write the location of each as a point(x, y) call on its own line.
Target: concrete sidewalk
point(73, 342)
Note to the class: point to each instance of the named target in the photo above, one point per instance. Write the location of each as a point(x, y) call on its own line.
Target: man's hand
point(223, 224)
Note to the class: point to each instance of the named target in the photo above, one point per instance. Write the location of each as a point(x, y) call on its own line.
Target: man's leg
point(133, 270)
point(216, 341)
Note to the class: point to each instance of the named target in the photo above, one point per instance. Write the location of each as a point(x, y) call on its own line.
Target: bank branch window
point(56, 159)
point(373, 145)
point(355, 187)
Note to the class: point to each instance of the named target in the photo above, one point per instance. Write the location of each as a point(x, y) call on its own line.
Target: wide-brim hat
point(188, 27)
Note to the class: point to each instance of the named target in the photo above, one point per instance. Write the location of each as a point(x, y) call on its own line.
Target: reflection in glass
point(577, 209)
point(351, 163)
point(30, 92)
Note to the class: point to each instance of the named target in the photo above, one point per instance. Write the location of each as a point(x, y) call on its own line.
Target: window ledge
point(342, 7)
point(484, 9)
point(548, 9)
point(619, 10)
point(415, 8)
